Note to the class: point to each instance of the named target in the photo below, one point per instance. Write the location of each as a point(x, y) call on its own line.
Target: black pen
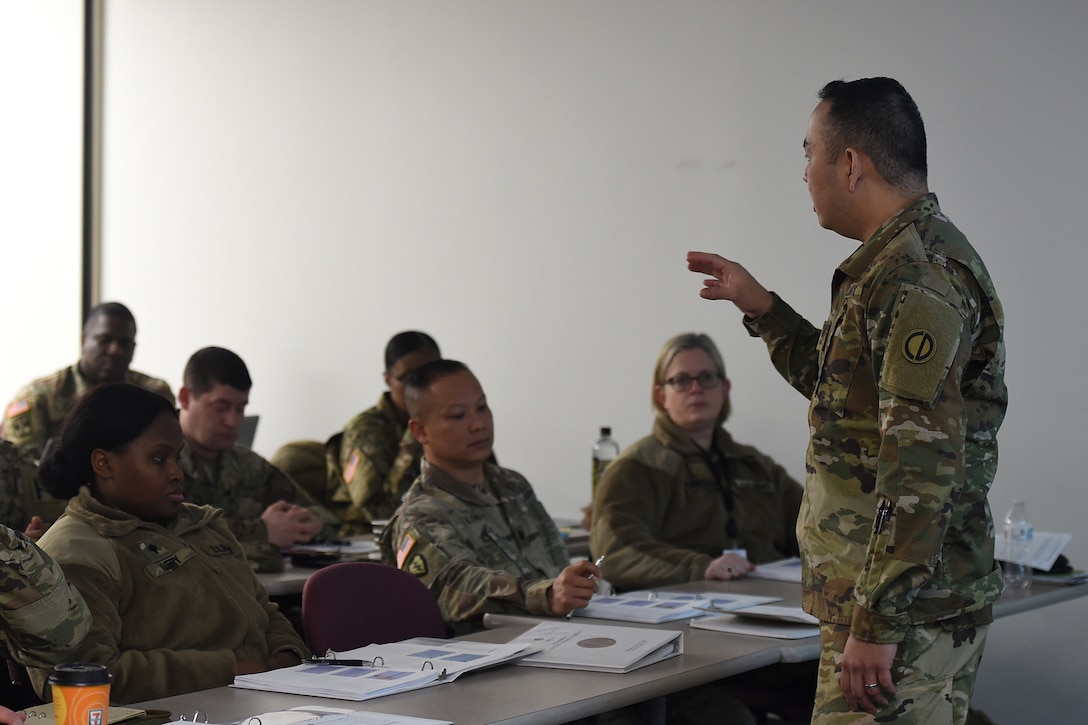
point(343, 663)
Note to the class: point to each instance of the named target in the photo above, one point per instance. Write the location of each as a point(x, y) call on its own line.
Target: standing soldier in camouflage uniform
point(374, 461)
point(475, 533)
point(109, 341)
point(264, 508)
point(906, 382)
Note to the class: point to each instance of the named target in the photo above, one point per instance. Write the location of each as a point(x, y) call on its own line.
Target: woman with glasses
point(688, 502)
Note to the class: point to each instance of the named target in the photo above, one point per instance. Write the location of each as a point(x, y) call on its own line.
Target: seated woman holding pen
point(176, 606)
point(688, 502)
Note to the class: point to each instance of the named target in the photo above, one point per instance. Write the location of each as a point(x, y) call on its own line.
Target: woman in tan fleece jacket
point(176, 605)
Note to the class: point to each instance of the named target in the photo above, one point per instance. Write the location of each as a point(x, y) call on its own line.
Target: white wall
point(298, 181)
point(41, 62)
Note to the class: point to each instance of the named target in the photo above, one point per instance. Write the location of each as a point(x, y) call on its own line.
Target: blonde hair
point(677, 345)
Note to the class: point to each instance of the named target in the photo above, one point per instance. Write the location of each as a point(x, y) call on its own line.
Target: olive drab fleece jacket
point(175, 605)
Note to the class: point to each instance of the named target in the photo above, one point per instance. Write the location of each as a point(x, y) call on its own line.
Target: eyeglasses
point(706, 380)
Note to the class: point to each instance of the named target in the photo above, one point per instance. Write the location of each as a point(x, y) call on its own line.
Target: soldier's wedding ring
point(872, 686)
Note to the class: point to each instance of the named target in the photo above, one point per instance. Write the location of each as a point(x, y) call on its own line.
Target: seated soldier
point(264, 508)
point(374, 461)
point(23, 505)
point(688, 502)
point(473, 532)
point(109, 341)
point(175, 605)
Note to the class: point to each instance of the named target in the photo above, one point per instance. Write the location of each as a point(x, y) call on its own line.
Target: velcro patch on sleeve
point(922, 344)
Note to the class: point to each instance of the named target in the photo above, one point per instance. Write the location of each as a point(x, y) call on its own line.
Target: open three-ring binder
point(313, 715)
point(384, 669)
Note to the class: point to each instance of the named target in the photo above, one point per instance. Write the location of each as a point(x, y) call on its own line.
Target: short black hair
point(107, 416)
point(423, 377)
point(878, 117)
point(210, 366)
point(407, 342)
point(110, 309)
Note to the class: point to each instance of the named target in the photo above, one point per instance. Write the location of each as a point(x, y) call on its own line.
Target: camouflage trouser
point(933, 671)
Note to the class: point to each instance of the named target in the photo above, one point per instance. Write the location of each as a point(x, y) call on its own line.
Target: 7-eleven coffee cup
point(81, 693)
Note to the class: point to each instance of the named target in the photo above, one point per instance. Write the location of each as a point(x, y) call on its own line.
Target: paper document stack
point(653, 607)
point(764, 621)
point(784, 570)
point(1045, 548)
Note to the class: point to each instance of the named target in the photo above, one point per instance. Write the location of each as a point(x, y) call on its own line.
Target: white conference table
point(520, 695)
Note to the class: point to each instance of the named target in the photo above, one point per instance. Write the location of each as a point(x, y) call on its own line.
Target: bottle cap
point(606, 431)
point(80, 674)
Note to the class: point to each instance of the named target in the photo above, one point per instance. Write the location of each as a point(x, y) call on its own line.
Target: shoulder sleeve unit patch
point(922, 344)
point(417, 566)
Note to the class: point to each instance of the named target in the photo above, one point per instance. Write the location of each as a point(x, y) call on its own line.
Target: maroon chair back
point(356, 603)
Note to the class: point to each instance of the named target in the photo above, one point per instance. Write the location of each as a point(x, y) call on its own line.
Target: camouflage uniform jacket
point(479, 549)
point(663, 508)
point(244, 484)
point(38, 410)
point(175, 605)
point(42, 617)
point(379, 459)
point(906, 383)
point(20, 495)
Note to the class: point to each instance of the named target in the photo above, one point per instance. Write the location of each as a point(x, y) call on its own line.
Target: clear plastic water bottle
point(1018, 536)
point(605, 451)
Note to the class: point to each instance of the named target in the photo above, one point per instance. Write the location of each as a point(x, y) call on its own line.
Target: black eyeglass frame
point(707, 381)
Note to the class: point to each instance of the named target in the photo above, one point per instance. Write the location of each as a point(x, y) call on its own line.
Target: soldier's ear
point(418, 430)
point(101, 464)
point(184, 397)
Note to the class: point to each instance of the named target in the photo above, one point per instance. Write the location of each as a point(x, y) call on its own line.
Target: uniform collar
point(479, 495)
point(193, 463)
point(856, 264)
point(110, 521)
point(385, 407)
point(672, 436)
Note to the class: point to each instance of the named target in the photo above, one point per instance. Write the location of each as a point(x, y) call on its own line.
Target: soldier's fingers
point(585, 568)
point(870, 696)
point(852, 689)
point(887, 685)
